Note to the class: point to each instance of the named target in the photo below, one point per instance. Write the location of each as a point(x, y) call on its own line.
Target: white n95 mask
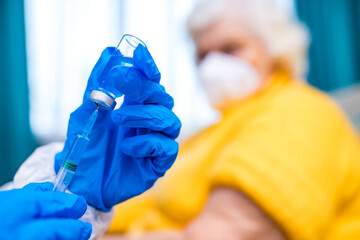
point(227, 79)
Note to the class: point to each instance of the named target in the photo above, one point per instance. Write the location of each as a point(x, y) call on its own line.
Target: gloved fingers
point(142, 60)
point(146, 64)
point(56, 229)
point(150, 145)
point(82, 114)
point(138, 88)
point(40, 187)
point(54, 204)
point(154, 117)
point(80, 117)
point(97, 70)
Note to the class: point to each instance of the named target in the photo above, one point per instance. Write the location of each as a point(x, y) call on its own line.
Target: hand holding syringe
point(119, 163)
point(104, 96)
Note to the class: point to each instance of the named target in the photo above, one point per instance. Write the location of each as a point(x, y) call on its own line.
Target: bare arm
point(230, 215)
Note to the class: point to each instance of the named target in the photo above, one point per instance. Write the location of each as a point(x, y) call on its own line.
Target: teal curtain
point(16, 140)
point(335, 32)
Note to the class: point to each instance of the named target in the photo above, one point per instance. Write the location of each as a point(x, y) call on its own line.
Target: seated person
point(283, 161)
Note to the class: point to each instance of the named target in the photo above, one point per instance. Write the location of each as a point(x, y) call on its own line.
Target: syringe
point(68, 167)
point(103, 95)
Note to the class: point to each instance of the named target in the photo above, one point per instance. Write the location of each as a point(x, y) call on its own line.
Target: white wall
point(65, 39)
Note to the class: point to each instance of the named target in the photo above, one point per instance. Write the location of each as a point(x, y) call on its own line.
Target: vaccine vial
point(105, 93)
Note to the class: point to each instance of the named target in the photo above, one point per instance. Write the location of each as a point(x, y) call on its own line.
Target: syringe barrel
point(77, 149)
point(64, 176)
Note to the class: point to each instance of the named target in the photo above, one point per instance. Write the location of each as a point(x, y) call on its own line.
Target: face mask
point(227, 79)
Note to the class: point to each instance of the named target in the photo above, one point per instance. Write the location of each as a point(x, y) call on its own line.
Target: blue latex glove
point(120, 163)
point(36, 212)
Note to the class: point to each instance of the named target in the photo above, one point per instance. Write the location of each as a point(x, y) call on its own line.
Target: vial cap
point(102, 100)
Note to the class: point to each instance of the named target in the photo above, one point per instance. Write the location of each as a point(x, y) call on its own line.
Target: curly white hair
point(285, 37)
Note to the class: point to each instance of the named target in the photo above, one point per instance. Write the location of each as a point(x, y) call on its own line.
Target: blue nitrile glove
point(129, 148)
point(36, 212)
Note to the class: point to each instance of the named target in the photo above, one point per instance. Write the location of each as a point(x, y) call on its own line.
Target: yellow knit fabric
point(288, 148)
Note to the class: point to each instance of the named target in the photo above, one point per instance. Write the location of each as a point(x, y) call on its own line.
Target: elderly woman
point(282, 163)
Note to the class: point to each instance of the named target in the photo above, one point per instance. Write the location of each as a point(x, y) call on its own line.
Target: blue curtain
point(335, 31)
point(16, 140)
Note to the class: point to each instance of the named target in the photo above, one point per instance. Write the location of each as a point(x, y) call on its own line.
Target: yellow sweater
point(288, 148)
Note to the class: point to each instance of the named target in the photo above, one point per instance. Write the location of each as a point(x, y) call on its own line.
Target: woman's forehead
point(223, 31)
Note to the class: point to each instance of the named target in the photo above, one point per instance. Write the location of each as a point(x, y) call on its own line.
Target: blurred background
point(48, 48)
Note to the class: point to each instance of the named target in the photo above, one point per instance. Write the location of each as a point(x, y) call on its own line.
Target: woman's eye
point(200, 56)
point(231, 49)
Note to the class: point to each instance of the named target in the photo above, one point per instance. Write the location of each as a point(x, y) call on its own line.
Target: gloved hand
point(129, 148)
point(36, 212)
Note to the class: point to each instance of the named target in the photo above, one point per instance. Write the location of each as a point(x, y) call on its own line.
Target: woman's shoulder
point(306, 103)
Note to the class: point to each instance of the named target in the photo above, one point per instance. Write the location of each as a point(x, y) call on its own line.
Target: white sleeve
point(39, 167)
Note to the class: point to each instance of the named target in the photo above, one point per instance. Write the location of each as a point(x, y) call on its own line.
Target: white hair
point(285, 38)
